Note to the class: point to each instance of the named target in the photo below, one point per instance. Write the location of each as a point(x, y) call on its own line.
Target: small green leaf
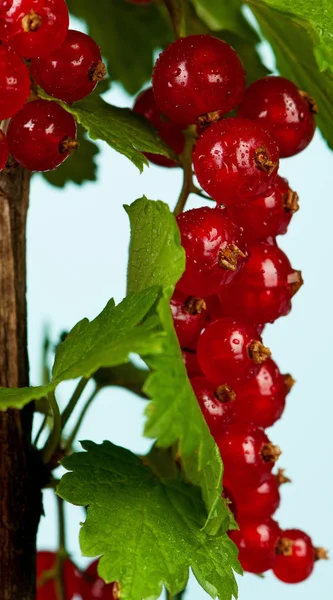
point(125, 131)
point(80, 167)
point(147, 529)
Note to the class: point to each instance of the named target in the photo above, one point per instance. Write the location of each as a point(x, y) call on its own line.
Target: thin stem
point(62, 553)
point(176, 597)
point(55, 436)
point(73, 401)
point(79, 422)
point(40, 430)
point(61, 525)
point(176, 10)
point(186, 159)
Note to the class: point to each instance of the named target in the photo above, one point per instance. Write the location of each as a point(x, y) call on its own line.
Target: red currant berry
point(215, 402)
point(169, 132)
point(267, 216)
point(191, 364)
point(72, 71)
point(261, 293)
point(256, 544)
point(257, 502)
point(229, 353)
point(14, 83)
point(189, 318)
point(41, 136)
point(214, 308)
point(247, 455)
point(3, 150)
point(236, 160)
point(295, 556)
point(214, 250)
point(94, 588)
point(284, 110)
point(34, 27)
point(262, 400)
point(196, 75)
point(47, 588)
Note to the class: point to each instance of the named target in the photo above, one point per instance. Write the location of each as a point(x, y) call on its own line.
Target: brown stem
point(97, 72)
point(270, 453)
point(20, 495)
point(281, 478)
point(31, 22)
point(195, 306)
point(263, 160)
point(224, 393)
point(295, 282)
point(229, 256)
point(312, 104)
point(288, 381)
point(258, 352)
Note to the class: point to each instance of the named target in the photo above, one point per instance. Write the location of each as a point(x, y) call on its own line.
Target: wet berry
point(248, 456)
point(72, 71)
point(261, 293)
point(284, 110)
point(47, 588)
point(94, 588)
point(191, 363)
point(196, 75)
point(169, 132)
point(214, 250)
point(256, 544)
point(3, 150)
point(262, 400)
point(267, 216)
point(41, 136)
point(14, 83)
point(257, 502)
point(216, 402)
point(236, 160)
point(229, 352)
point(295, 556)
point(34, 27)
point(189, 318)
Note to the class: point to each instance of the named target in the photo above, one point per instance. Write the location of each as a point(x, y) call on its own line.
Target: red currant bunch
point(94, 588)
point(46, 577)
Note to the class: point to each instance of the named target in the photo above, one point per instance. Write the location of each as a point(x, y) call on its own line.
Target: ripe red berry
point(256, 502)
point(216, 402)
point(261, 293)
point(214, 308)
point(14, 83)
point(3, 150)
point(261, 401)
point(47, 588)
point(189, 318)
point(295, 556)
point(41, 136)
point(214, 250)
point(72, 71)
point(256, 543)
point(169, 132)
point(34, 27)
point(196, 75)
point(191, 364)
point(229, 352)
point(247, 455)
point(94, 588)
point(267, 216)
point(236, 160)
point(284, 110)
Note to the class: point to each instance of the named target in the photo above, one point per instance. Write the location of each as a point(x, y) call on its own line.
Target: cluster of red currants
point(38, 48)
point(78, 585)
point(237, 279)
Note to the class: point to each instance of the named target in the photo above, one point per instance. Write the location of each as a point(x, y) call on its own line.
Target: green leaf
point(125, 131)
point(147, 529)
point(128, 35)
point(300, 33)
point(174, 416)
point(106, 341)
point(79, 168)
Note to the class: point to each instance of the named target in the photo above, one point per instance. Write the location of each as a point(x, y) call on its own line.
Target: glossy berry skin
point(247, 455)
point(189, 318)
point(169, 132)
point(191, 364)
point(94, 588)
point(34, 27)
point(197, 75)
point(299, 565)
point(72, 71)
point(259, 501)
point(216, 403)
point(261, 401)
point(261, 293)
point(256, 543)
point(14, 83)
point(225, 352)
point(214, 250)
point(285, 111)
point(37, 135)
point(72, 578)
point(236, 160)
point(267, 216)
point(3, 150)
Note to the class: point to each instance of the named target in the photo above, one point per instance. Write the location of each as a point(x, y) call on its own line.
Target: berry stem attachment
point(31, 22)
point(186, 160)
point(176, 10)
point(53, 441)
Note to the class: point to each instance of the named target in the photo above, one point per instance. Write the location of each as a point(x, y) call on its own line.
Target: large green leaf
point(148, 529)
point(174, 416)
